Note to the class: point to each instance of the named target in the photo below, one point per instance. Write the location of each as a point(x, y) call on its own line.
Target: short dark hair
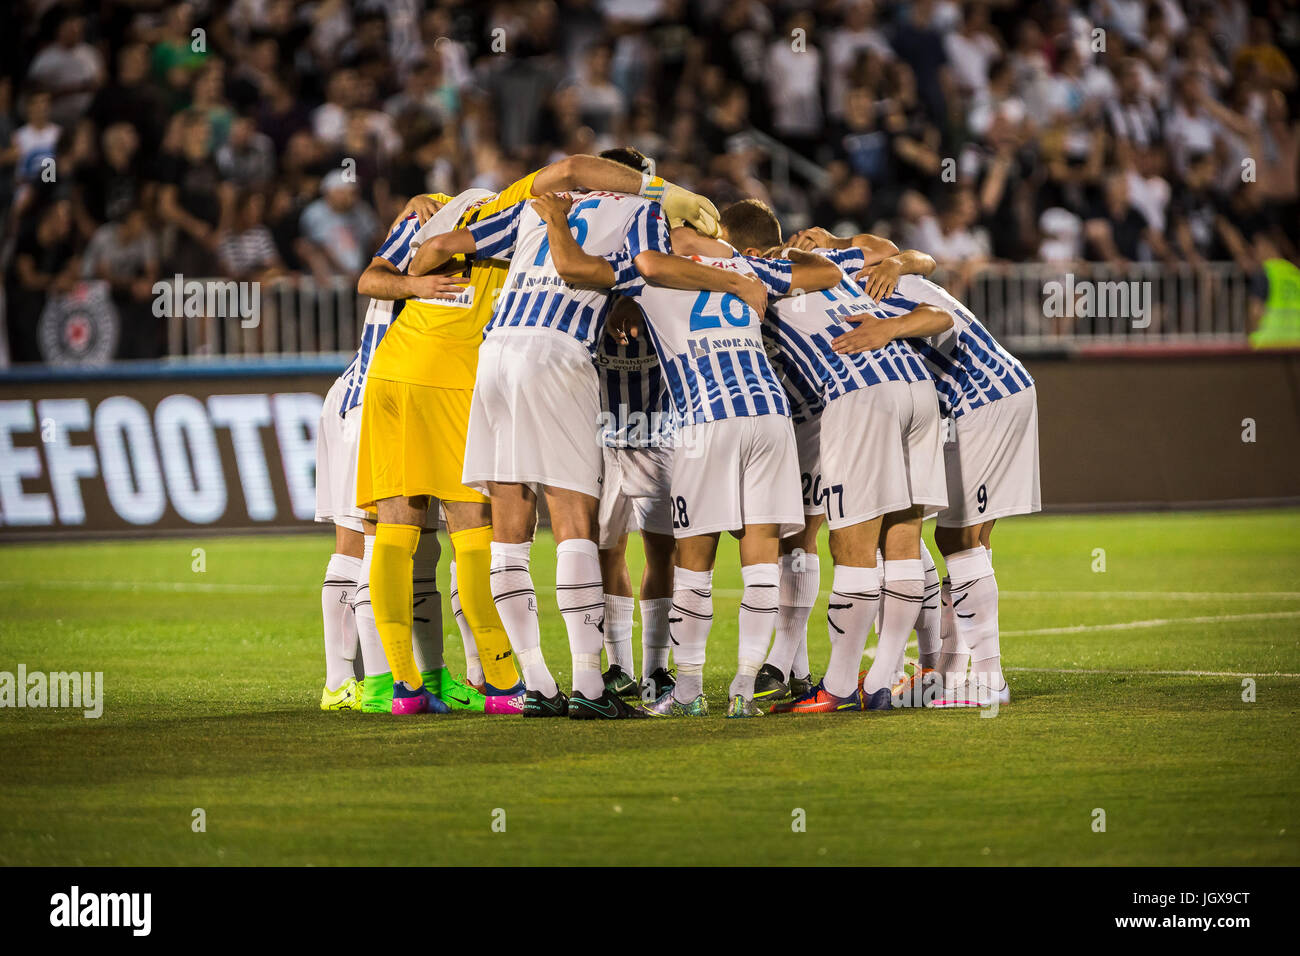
point(751, 224)
point(629, 156)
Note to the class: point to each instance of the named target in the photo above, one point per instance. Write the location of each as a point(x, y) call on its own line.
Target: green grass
point(212, 680)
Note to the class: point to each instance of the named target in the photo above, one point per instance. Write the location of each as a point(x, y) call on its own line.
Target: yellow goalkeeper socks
point(390, 596)
point(474, 581)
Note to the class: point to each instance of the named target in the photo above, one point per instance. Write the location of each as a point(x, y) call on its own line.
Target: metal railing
point(1040, 305)
point(295, 315)
point(1027, 306)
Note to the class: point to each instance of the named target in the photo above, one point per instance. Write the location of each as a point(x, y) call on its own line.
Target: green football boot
point(377, 694)
point(454, 693)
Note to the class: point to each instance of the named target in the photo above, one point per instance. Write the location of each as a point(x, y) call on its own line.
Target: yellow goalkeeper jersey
point(436, 341)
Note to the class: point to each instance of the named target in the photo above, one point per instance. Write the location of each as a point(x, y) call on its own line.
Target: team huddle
point(598, 337)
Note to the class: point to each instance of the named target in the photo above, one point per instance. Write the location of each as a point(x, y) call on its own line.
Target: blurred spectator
point(246, 248)
point(339, 231)
point(70, 68)
point(45, 262)
point(124, 253)
point(247, 158)
point(990, 130)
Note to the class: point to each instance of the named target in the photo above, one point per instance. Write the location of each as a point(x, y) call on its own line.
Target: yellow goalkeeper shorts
point(412, 442)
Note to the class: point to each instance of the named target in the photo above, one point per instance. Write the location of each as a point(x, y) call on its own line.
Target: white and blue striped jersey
point(534, 295)
point(634, 402)
point(800, 330)
point(380, 314)
point(970, 368)
point(710, 344)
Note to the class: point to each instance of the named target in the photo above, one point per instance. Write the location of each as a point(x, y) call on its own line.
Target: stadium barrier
point(164, 448)
point(1031, 307)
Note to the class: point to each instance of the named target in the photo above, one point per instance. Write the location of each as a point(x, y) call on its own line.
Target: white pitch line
point(1103, 670)
point(166, 586)
point(1153, 622)
point(1109, 595)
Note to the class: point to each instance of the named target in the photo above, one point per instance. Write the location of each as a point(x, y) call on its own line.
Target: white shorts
point(736, 472)
point(337, 440)
point(634, 494)
point(807, 443)
point(882, 452)
point(535, 416)
point(992, 466)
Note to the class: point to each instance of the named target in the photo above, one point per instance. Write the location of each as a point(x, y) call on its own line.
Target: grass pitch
point(1127, 692)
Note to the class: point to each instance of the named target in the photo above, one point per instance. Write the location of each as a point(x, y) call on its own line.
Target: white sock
point(900, 603)
point(473, 667)
point(798, 594)
point(579, 592)
point(952, 655)
point(654, 634)
point(374, 660)
point(855, 594)
point(975, 609)
point(340, 623)
point(426, 604)
point(758, 607)
point(516, 601)
point(878, 623)
point(618, 632)
point(692, 617)
point(928, 637)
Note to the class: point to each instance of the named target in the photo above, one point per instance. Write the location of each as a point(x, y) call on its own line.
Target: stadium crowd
point(257, 138)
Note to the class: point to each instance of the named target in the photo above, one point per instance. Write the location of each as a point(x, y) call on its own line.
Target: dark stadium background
point(1153, 144)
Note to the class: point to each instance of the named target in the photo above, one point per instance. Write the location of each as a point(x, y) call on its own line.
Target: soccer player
point(880, 467)
point(734, 463)
point(336, 456)
point(876, 264)
point(786, 672)
point(638, 460)
point(532, 423)
point(991, 470)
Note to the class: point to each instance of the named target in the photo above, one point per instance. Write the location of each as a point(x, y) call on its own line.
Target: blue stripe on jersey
point(972, 365)
point(494, 236)
point(372, 334)
point(752, 382)
point(397, 246)
point(775, 274)
point(648, 231)
point(852, 260)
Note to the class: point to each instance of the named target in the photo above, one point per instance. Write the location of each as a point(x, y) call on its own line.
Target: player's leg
point(341, 690)
point(656, 610)
point(760, 551)
point(473, 665)
point(470, 527)
point(690, 621)
point(855, 595)
point(514, 517)
point(615, 518)
point(616, 581)
point(902, 595)
point(377, 683)
point(974, 602)
point(580, 594)
point(392, 569)
point(786, 671)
